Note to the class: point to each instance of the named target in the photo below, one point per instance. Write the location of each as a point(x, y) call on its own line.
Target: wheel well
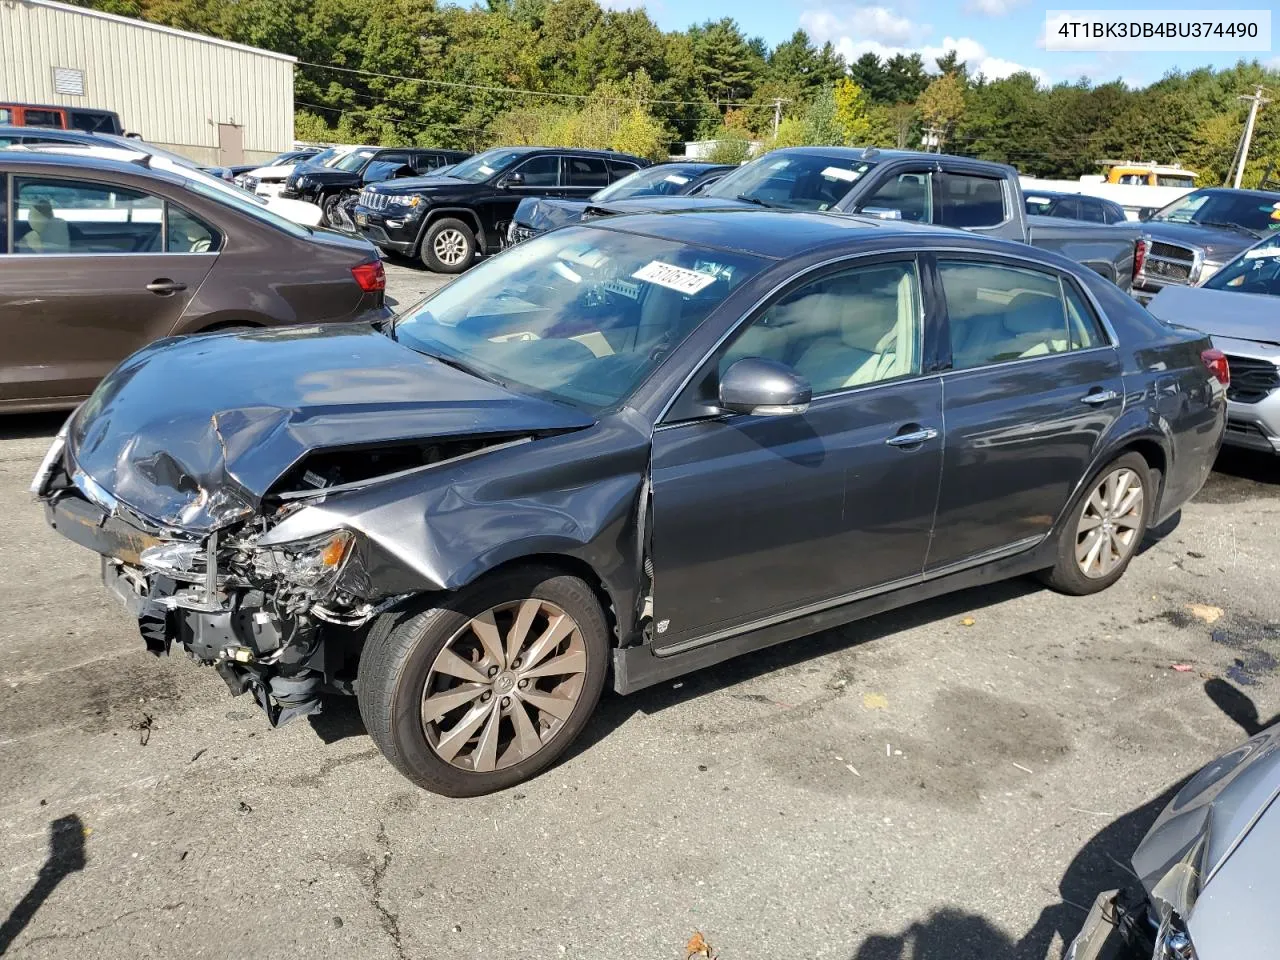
point(1153, 453)
point(574, 567)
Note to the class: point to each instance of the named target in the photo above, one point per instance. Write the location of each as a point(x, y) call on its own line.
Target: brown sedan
point(100, 257)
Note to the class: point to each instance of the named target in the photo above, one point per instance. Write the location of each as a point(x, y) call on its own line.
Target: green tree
point(851, 113)
point(941, 106)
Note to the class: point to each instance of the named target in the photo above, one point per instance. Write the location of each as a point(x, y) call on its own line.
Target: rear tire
point(1104, 529)
point(449, 246)
point(483, 689)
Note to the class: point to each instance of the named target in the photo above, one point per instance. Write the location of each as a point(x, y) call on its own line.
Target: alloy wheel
point(450, 247)
point(504, 685)
point(1108, 529)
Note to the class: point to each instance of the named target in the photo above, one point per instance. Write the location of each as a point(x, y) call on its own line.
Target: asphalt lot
point(946, 782)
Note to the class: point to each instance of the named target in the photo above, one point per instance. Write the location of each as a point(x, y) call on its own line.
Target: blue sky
point(996, 37)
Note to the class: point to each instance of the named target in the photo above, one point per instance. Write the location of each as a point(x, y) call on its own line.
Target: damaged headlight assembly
point(313, 564)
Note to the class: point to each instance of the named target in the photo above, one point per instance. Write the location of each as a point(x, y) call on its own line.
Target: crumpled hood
point(1220, 313)
point(191, 432)
point(1218, 243)
point(1196, 837)
point(547, 213)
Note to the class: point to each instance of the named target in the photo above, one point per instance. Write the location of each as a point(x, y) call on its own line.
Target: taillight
point(1139, 257)
point(371, 276)
point(1216, 361)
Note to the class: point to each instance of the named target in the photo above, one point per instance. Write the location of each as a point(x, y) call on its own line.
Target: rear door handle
point(1099, 396)
point(913, 438)
point(165, 287)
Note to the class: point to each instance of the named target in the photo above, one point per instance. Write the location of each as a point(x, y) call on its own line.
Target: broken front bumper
point(279, 659)
point(1115, 929)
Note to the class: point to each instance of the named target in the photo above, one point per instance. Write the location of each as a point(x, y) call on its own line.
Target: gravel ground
point(945, 782)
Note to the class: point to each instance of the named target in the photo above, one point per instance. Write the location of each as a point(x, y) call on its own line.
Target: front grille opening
point(1252, 380)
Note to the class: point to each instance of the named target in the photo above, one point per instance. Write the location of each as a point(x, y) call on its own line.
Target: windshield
point(485, 165)
point(249, 205)
point(353, 161)
point(796, 181)
point(581, 315)
point(663, 180)
point(1257, 270)
point(1256, 214)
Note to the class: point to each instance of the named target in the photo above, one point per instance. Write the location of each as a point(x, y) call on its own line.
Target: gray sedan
point(627, 449)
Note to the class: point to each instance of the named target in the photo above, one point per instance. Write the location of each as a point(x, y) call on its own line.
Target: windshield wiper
point(756, 200)
point(463, 366)
point(1230, 226)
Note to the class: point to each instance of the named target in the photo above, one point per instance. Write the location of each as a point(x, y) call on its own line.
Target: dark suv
point(324, 186)
point(447, 220)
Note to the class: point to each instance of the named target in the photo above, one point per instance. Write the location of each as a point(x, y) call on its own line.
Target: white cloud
point(886, 33)
point(879, 24)
point(992, 8)
point(973, 54)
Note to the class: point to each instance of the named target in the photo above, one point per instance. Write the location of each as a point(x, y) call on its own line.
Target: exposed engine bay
point(280, 620)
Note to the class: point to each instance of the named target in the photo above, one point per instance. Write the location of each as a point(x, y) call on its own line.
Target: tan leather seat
point(48, 233)
point(876, 341)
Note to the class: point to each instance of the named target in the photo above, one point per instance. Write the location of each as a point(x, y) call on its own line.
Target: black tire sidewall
point(428, 253)
point(327, 206)
point(1066, 574)
point(432, 628)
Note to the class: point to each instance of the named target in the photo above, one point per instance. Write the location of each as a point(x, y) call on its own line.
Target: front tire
point(329, 210)
point(488, 687)
point(1104, 529)
point(449, 246)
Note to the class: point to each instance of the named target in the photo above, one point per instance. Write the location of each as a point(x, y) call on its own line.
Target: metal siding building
point(209, 99)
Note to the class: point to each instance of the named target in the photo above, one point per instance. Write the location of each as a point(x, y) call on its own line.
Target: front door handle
point(1099, 396)
point(914, 438)
point(165, 287)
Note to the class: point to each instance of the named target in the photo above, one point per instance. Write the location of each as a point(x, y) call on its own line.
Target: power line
point(522, 91)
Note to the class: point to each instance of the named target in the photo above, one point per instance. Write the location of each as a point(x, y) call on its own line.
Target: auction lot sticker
point(673, 278)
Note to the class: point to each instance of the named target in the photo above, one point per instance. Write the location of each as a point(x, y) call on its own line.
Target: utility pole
point(1255, 101)
point(777, 115)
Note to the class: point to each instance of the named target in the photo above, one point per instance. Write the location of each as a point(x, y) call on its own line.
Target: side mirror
point(513, 179)
point(764, 388)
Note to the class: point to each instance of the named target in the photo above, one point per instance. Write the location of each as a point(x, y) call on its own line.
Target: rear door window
point(1067, 207)
point(64, 216)
point(1091, 210)
point(187, 233)
point(999, 313)
point(620, 168)
point(971, 201)
point(42, 118)
point(586, 172)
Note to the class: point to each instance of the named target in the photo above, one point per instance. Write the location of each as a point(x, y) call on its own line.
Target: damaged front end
point(277, 616)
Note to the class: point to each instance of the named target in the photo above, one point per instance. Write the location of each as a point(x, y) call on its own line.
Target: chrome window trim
point(914, 252)
point(144, 253)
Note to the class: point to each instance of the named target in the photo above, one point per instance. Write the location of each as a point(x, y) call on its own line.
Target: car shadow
point(1100, 865)
point(66, 856)
point(24, 426)
point(614, 710)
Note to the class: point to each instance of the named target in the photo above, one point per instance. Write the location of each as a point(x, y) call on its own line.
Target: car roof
point(1260, 194)
point(578, 151)
point(106, 162)
point(780, 234)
